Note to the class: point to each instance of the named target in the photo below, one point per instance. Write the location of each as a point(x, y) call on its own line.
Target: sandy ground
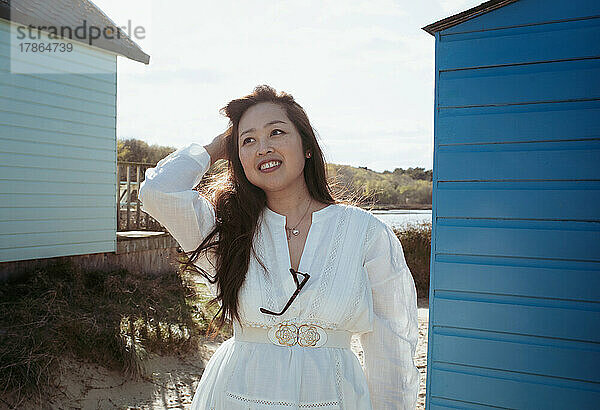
point(421, 354)
point(170, 381)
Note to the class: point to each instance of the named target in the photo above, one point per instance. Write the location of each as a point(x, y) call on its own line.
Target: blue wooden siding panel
point(58, 156)
point(573, 360)
point(41, 151)
point(519, 238)
point(518, 84)
point(510, 390)
point(516, 276)
point(59, 100)
point(542, 318)
point(529, 122)
point(54, 124)
point(55, 85)
point(442, 403)
point(96, 83)
point(24, 159)
point(37, 109)
point(520, 45)
point(515, 260)
point(48, 250)
point(95, 210)
point(47, 201)
point(529, 12)
point(544, 160)
point(28, 134)
point(57, 187)
point(44, 233)
point(574, 200)
point(52, 175)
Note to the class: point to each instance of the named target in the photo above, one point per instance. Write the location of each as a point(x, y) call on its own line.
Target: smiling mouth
point(270, 165)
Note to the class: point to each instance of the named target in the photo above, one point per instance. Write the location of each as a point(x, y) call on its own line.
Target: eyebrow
point(266, 125)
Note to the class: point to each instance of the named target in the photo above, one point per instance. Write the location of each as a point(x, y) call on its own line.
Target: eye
point(246, 139)
point(277, 129)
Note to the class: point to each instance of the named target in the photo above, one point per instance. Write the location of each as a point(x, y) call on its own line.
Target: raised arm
point(392, 376)
point(167, 195)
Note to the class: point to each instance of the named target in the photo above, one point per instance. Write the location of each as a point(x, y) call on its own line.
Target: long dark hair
point(238, 203)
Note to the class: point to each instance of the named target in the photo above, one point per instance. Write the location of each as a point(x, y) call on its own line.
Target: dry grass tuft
point(110, 318)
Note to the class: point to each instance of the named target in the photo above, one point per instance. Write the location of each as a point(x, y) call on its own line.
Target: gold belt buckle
point(306, 335)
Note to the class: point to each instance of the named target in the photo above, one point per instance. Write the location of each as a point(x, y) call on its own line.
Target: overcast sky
point(362, 70)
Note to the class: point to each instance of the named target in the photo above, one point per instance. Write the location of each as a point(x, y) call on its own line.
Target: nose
point(264, 148)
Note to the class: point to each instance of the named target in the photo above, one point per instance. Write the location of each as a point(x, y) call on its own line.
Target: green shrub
point(416, 243)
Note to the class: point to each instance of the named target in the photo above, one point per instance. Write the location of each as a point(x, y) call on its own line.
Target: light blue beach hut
point(58, 130)
point(515, 262)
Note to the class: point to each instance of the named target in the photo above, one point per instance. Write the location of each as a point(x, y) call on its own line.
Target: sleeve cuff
point(199, 154)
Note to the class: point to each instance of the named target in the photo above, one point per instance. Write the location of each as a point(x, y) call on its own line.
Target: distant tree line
point(400, 188)
point(411, 187)
point(134, 150)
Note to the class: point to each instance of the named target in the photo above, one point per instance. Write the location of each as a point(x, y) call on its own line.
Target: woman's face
point(270, 148)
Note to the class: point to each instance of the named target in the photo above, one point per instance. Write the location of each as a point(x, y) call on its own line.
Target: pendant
point(295, 232)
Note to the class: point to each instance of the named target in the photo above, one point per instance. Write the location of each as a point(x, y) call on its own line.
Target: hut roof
point(465, 15)
point(71, 13)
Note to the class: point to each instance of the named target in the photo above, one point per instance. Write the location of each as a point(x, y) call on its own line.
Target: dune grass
point(111, 318)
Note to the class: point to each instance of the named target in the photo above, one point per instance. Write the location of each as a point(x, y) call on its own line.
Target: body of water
point(398, 218)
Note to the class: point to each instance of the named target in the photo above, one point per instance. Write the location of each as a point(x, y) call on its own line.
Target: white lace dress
point(359, 282)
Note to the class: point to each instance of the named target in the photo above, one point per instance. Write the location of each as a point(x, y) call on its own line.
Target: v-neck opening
point(278, 222)
point(302, 252)
point(282, 220)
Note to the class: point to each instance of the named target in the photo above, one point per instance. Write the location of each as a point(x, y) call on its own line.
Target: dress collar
point(321, 214)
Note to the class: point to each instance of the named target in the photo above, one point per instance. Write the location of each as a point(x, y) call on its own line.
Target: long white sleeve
point(389, 349)
point(167, 195)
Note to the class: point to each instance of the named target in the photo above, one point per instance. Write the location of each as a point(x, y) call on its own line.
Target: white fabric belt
point(290, 334)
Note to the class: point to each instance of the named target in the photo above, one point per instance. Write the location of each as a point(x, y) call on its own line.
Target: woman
point(297, 271)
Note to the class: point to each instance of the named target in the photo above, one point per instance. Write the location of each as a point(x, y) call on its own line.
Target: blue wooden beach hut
point(515, 262)
point(58, 154)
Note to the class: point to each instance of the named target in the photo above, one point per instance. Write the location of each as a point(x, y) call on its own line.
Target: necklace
point(293, 230)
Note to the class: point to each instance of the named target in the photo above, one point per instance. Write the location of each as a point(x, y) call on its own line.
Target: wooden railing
point(130, 217)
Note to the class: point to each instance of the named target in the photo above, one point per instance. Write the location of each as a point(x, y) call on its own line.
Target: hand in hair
point(217, 149)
